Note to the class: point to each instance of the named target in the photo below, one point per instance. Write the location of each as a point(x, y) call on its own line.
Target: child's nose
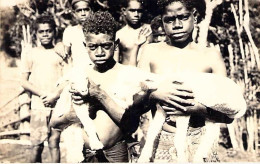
point(177, 23)
point(45, 33)
point(99, 52)
point(136, 14)
point(83, 12)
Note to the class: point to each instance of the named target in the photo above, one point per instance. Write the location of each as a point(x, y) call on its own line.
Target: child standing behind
point(73, 47)
point(41, 68)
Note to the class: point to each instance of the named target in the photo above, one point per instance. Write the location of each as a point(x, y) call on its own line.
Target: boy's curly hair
point(100, 22)
point(199, 5)
point(45, 18)
point(156, 23)
point(125, 3)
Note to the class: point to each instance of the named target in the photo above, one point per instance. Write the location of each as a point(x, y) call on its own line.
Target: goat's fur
point(78, 81)
point(213, 91)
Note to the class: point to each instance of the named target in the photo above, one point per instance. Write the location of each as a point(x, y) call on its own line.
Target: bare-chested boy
point(72, 47)
point(181, 54)
point(116, 80)
point(133, 31)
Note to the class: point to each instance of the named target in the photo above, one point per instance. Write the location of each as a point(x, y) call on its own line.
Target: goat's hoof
point(143, 159)
point(96, 145)
point(198, 159)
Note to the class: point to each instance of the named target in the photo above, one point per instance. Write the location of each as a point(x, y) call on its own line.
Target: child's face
point(178, 22)
point(100, 48)
point(45, 33)
point(159, 35)
point(133, 13)
point(82, 10)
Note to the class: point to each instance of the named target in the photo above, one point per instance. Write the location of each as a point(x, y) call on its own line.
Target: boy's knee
point(54, 139)
point(37, 148)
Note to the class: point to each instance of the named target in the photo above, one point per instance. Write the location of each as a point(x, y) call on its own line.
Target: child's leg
point(64, 121)
point(54, 147)
point(36, 153)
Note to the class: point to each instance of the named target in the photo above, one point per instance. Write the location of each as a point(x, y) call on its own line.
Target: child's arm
point(50, 98)
point(29, 86)
point(62, 50)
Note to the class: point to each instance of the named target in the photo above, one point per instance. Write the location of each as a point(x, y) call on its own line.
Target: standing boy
point(133, 31)
point(41, 68)
point(114, 79)
point(180, 54)
point(73, 37)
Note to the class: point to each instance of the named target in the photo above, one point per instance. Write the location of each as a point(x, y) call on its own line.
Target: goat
point(216, 92)
point(78, 81)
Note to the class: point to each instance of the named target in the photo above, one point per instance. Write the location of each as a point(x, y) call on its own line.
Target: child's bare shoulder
point(121, 32)
point(211, 52)
point(154, 47)
point(35, 50)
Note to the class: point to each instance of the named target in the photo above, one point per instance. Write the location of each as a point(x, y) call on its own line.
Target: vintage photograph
point(129, 81)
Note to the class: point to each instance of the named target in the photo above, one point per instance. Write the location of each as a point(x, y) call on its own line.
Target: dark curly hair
point(156, 23)
point(100, 22)
point(73, 2)
point(45, 18)
point(125, 3)
point(199, 5)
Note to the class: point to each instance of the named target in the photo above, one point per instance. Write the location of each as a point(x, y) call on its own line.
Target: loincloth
point(117, 153)
point(39, 129)
point(165, 151)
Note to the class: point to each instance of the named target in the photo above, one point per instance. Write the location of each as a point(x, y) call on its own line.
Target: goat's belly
point(108, 132)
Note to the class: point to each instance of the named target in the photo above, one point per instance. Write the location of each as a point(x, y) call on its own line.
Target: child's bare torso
point(128, 38)
point(172, 60)
point(118, 83)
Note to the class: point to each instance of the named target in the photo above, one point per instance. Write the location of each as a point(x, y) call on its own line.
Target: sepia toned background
point(233, 27)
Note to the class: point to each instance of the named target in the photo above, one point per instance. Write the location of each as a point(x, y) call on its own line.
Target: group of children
point(163, 47)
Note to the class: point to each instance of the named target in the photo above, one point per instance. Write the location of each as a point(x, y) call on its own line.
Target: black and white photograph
point(129, 81)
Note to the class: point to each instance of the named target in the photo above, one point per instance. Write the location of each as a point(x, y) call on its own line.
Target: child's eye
point(107, 45)
point(86, 9)
point(92, 46)
point(139, 10)
point(184, 17)
point(169, 19)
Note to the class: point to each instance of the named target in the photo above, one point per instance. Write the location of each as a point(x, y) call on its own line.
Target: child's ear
point(116, 44)
point(123, 10)
point(195, 15)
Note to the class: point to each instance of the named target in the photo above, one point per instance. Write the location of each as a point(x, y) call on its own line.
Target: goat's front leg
point(154, 129)
point(82, 112)
point(212, 131)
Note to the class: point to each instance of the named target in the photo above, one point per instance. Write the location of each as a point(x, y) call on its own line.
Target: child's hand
point(77, 98)
point(60, 50)
point(197, 108)
point(26, 43)
point(95, 90)
point(49, 99)
point(143, 34)
point(174, 94)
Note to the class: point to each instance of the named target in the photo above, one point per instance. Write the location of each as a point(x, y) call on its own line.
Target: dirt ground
point(9, 87)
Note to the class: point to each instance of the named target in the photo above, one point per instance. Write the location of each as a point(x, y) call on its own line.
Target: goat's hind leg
point(182, 123)
point(154, 129)
point(212, 131)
